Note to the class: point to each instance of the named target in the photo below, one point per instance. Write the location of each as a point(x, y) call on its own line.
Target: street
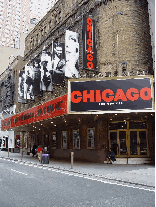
point(29, 185)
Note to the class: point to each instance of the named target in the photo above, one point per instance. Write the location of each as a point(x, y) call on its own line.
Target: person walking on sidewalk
point(34, 149)
point(111, 157)
point(39, 151)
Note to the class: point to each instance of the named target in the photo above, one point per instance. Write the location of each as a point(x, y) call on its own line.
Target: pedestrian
point(39, 151)
point(111, 156)
point(34, 149)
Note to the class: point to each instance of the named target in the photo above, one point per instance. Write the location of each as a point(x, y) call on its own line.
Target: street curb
point(82, 173)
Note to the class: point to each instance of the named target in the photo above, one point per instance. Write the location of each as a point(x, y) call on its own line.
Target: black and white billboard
point(110, 95)
point(36, 77)
point(46, 67)
point(28, 83)
point(58, 62)
point(21, 87)
point(72, 54)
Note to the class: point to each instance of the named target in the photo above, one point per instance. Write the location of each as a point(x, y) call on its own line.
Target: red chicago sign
point(108, 95)
point(89, 50)
point(89, 44)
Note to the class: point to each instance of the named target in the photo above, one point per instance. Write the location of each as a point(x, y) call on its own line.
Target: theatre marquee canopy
point(50, 109)
point(111, 95)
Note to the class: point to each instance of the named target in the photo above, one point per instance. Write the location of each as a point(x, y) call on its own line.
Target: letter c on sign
point(89, 42)
point(78, 99)
point(142, 93)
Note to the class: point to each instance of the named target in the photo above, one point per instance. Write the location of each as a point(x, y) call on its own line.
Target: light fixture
point(116, 114)
point(41, 124)
point(52, 122)
point(55, 125)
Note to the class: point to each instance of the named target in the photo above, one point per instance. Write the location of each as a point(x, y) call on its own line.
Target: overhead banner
point(110, 95)
point(50, 109)
point(89, 44)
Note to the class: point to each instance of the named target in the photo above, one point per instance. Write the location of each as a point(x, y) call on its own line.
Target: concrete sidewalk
point(137, 174)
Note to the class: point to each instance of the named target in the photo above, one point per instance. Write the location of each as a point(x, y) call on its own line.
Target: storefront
point(114, 115)
point(129, 137)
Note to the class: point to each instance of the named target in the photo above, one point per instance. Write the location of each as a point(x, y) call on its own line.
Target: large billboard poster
point(46, 67)
point(58, 62)
point(36, 77)
point(110, 95)
point(21, 87)
point(72, 54)
point(89, 44)
point(28, 83)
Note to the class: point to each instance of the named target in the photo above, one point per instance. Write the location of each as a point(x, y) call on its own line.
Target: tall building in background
point(15, 18)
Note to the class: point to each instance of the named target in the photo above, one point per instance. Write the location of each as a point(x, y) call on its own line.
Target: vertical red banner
point(89, 44)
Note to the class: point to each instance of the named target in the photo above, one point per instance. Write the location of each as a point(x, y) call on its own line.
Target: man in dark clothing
point(34, 149)
point(111, 156)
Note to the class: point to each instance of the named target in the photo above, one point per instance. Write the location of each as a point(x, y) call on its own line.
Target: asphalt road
point(28, 185)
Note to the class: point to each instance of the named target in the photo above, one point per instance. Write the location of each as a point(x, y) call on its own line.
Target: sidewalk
point(137, 174)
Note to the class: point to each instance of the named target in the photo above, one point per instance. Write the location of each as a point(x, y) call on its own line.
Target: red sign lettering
point(108, 95)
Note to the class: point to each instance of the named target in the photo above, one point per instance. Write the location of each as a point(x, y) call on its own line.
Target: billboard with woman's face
point(58, 62)
point(72, 54)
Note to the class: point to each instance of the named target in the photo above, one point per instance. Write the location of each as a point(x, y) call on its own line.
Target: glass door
point(122, 143)
point(143, 142)
point(133, 143)
point(113, 141)
point(128, 138)
point(138, 142)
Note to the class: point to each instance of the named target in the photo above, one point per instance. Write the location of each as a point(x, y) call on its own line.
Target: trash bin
point(45, 158)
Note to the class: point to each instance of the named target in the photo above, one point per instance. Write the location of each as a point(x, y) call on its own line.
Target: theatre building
point(86, 84)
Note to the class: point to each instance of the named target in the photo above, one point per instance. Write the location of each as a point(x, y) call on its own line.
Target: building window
point(64, 139)
point(124, 68)
point(76, 139)
point(107, 74)
point(54, 140)
point(50, 24)
point(59, 16)
point(117, 125)
point(91, 138)
point(41, 32)
point(45, 30)
point(37, 39)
